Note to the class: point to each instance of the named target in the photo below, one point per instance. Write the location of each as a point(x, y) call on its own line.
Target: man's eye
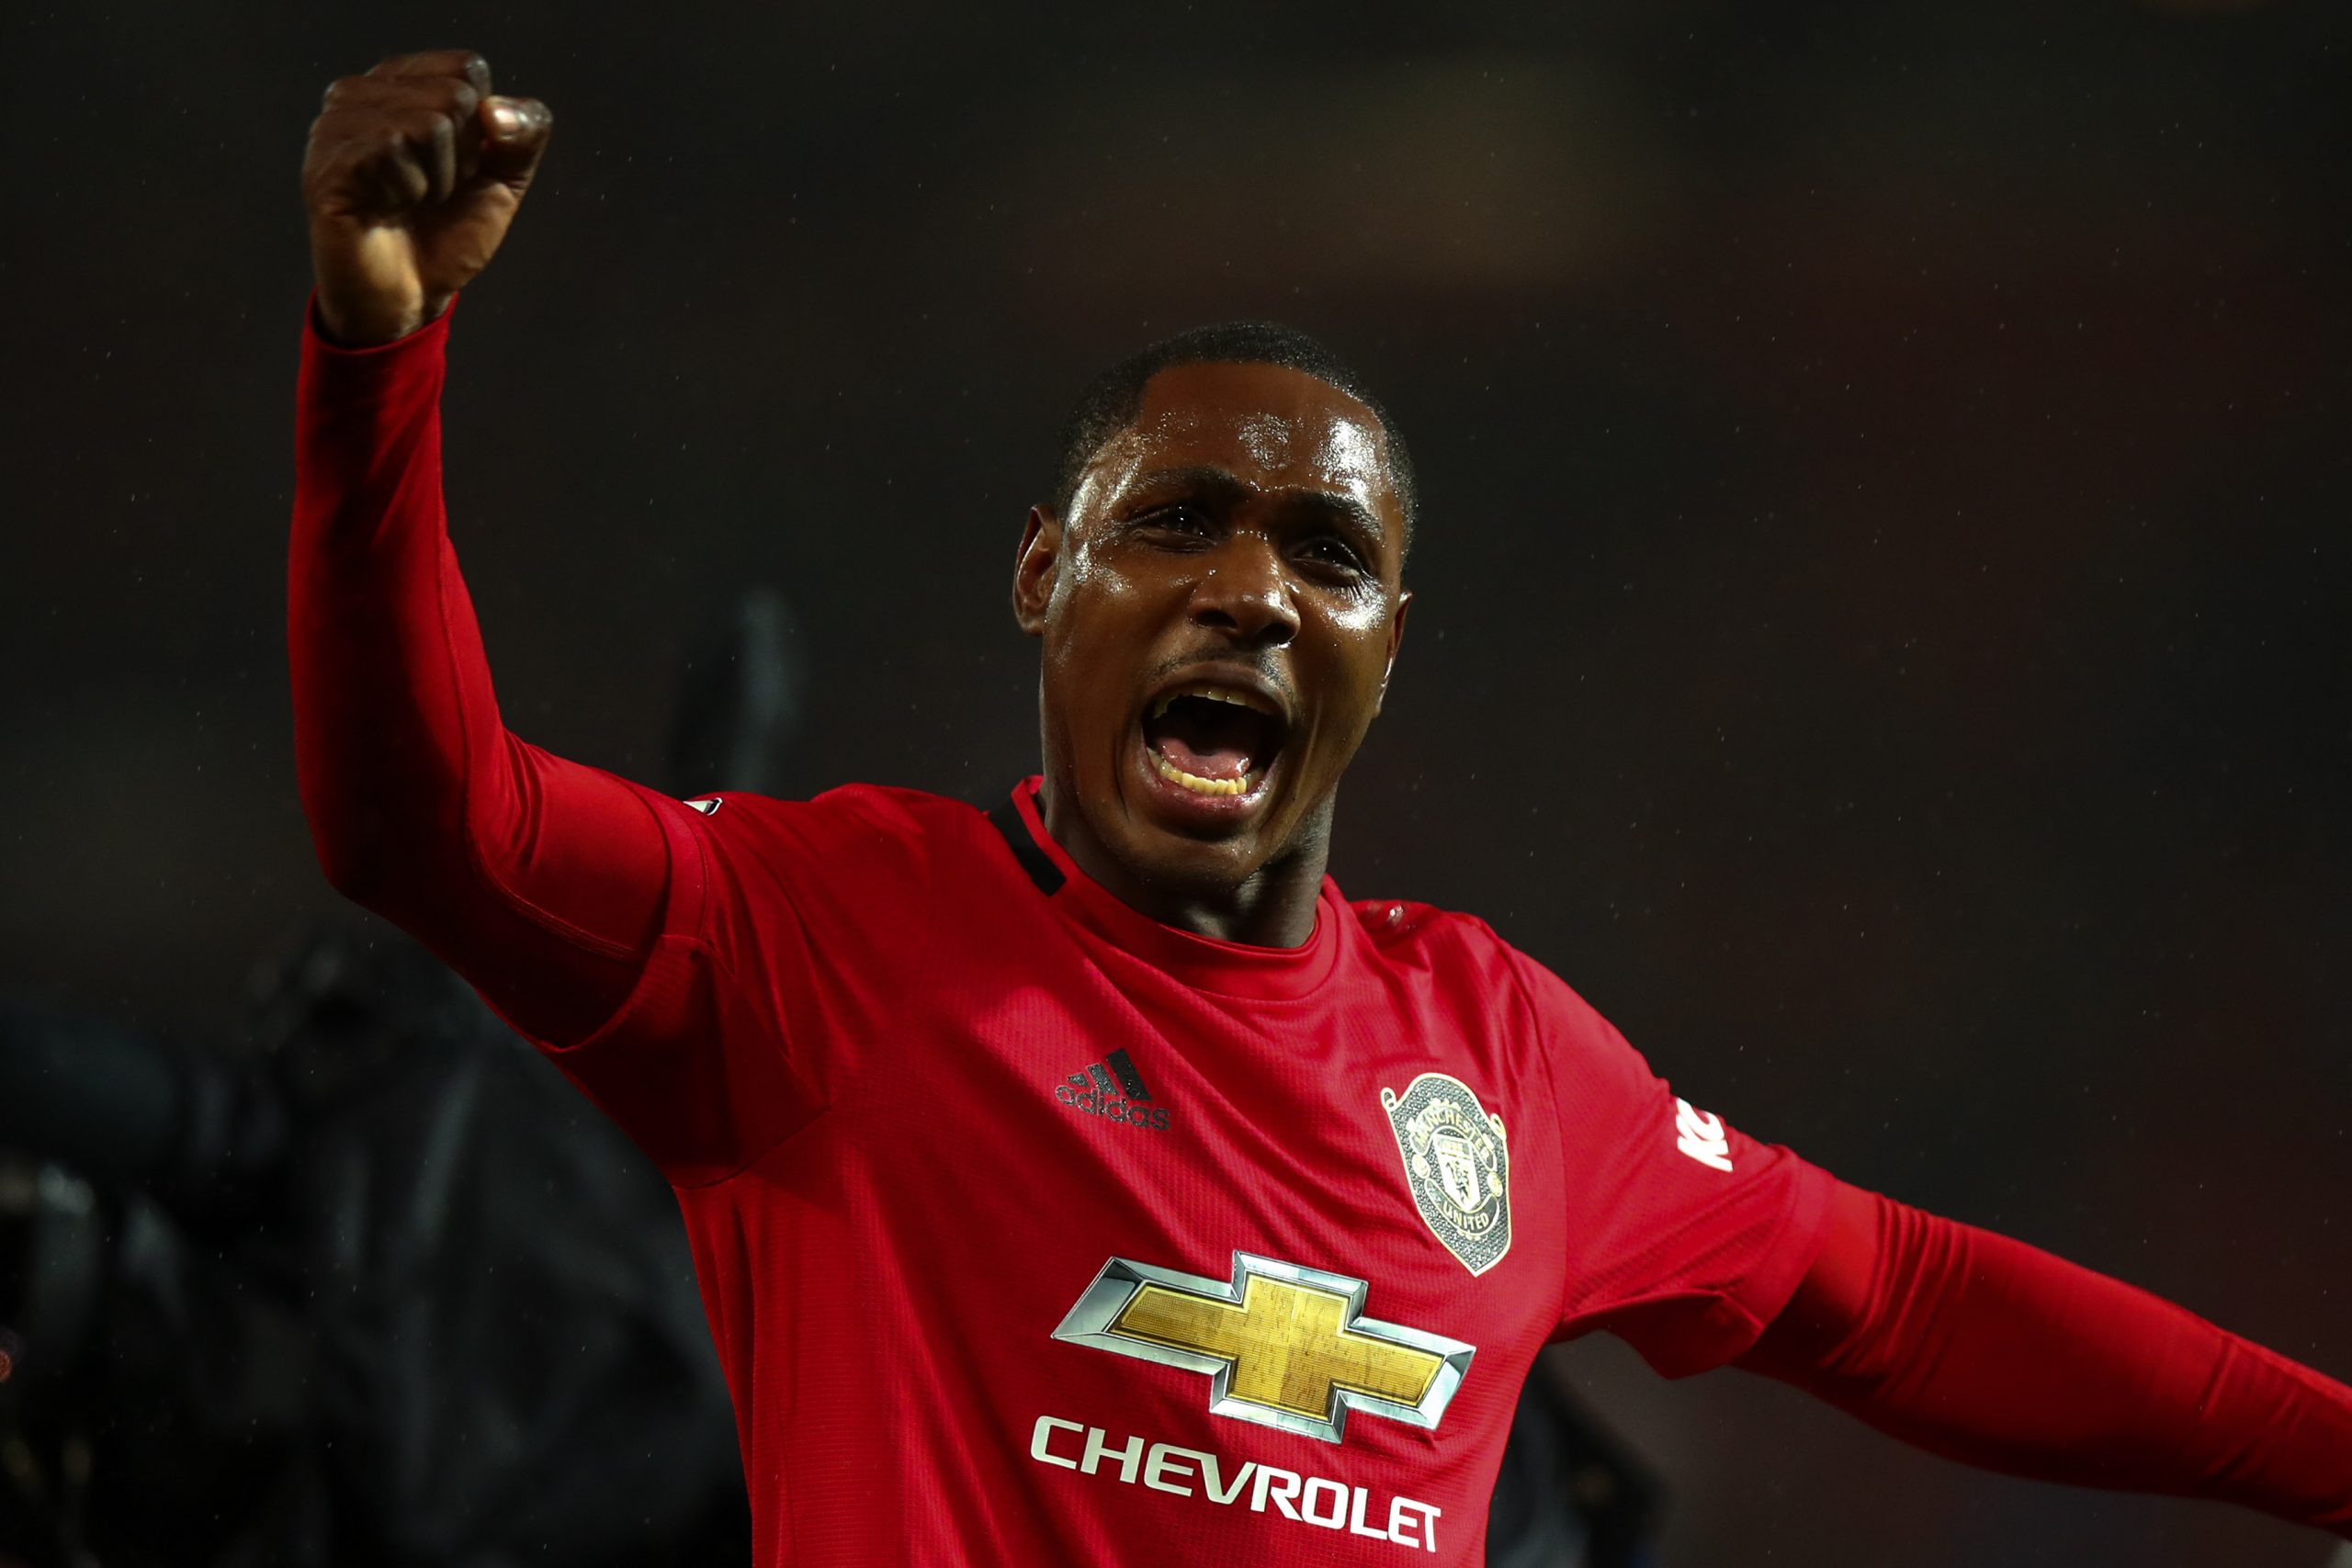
point(1175, 519)
point(1335, 551)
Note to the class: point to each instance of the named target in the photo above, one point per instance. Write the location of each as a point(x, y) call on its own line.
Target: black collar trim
point(1005, 817)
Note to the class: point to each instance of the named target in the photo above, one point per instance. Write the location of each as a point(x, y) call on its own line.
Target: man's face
point(1219, 613)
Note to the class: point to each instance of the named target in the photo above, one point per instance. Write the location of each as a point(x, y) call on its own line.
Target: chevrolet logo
point(1284, 1345)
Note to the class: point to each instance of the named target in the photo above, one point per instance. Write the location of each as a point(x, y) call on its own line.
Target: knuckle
point(331, 134)
point(336, 125)
point(354, 89)
point(435, 133)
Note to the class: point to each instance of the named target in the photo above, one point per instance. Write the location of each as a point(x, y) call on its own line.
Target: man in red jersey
point(1230, 1215)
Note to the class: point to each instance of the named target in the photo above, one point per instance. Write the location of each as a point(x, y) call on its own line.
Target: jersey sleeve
point(1686, 1236)
point(536, 877)
point(789, 931)
point(689, 971)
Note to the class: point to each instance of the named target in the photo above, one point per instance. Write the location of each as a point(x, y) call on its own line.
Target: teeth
point(1240, 699)
point(1200, 785)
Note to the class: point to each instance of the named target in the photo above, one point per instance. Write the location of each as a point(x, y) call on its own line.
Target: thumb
point(515, 136)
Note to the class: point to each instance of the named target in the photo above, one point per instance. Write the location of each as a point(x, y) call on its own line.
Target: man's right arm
point(540, 880)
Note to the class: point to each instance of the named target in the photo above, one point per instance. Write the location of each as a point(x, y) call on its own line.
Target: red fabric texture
point(1989, 1352)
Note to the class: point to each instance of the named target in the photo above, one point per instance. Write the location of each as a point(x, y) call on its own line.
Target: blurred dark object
point(382, 1289)
point(740, 700)
point(1569, 1495)
point(458, 1323)
point(124, 1108)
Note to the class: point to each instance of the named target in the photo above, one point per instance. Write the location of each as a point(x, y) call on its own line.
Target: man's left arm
point(1986, 1350)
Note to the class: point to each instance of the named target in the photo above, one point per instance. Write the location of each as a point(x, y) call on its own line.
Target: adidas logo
point(1113, 1089)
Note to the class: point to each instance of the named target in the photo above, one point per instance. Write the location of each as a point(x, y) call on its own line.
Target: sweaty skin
point(1243, 529)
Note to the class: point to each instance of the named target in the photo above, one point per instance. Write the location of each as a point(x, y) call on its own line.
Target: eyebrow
point(1224, 487)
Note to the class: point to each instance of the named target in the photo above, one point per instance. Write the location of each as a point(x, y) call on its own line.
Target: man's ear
point(1034, 570)
point(1396, 641)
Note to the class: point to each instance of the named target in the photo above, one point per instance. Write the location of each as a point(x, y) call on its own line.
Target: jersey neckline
point(1206, 964)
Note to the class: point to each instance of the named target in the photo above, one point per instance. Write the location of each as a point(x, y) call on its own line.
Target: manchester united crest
point(1458, 1165)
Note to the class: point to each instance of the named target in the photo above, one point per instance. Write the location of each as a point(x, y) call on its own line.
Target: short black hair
point(1111, 400)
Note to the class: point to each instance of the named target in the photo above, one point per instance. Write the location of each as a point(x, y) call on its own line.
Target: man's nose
point(1245, 590)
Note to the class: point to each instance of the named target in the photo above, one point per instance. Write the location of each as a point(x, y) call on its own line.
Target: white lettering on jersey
point(1303, 1499)
point(1700, 1135)
point(708, 805)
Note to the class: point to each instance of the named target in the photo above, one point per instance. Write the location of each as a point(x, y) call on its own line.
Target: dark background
point(1882, 581)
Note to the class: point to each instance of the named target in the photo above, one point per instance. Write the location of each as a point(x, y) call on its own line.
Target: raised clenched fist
point(413, 174)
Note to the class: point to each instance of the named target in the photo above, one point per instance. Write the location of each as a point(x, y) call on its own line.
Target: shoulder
point(851, 809)
point(859, 830)
point(1447, 943)
point(1443, 943)
point(1405, 932)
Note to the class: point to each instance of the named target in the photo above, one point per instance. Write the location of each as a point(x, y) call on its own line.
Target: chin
point(1213, 852)
point(1206, 866)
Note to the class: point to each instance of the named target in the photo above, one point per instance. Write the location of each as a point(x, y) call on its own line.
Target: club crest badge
point(1458, 1164)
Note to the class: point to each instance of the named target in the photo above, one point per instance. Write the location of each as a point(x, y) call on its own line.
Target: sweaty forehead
point(1267, 424)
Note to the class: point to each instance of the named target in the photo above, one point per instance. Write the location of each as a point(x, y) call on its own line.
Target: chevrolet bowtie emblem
point(1284, 1345)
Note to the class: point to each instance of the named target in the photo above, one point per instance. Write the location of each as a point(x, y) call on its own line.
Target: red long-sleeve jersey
point(1032, 1231)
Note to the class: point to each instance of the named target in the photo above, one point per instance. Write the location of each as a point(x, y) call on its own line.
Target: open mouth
point(1212, 740)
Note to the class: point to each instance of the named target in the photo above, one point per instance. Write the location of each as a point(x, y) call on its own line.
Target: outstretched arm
point(1992, 1352)
point(540, 880)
